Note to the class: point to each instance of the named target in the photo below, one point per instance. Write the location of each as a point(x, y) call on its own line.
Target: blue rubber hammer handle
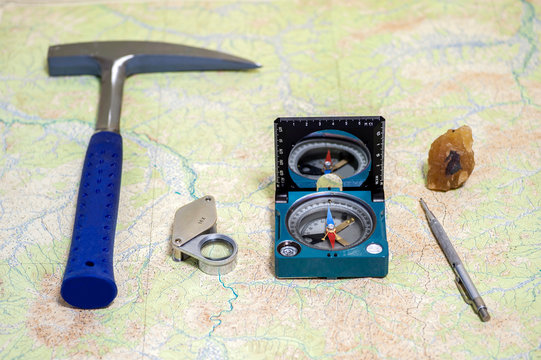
point(89, 281)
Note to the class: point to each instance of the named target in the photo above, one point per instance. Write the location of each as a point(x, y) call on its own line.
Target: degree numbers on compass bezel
point(307, 157)
point(305, 220)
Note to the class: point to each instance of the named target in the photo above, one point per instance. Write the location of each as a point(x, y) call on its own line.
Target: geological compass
point(330, 211)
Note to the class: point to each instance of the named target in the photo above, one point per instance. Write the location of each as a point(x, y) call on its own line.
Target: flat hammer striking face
point(88, 281)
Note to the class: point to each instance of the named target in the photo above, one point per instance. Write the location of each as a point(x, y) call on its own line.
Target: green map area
point(425, 66)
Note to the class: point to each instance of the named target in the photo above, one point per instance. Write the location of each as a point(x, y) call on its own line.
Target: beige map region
point(426, 66)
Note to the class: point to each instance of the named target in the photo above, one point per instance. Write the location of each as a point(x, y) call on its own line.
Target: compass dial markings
point(307, 219)
point(308, 158)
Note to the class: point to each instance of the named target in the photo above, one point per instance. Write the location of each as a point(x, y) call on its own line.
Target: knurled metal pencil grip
point(463, 280)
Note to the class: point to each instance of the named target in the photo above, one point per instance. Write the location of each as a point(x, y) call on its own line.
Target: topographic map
point(426, 66)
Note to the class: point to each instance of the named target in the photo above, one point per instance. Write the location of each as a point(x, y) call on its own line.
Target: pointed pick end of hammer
point(214, 60)
point(247, 64)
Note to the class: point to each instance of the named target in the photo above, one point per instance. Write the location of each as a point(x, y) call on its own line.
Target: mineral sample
point(450, 159)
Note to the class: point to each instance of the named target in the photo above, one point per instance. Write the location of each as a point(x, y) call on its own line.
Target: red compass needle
point(327, 165)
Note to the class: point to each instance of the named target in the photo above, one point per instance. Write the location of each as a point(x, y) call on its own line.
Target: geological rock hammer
point(88, 281)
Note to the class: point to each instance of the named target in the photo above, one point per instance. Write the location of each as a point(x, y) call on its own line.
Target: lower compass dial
point(330, 221)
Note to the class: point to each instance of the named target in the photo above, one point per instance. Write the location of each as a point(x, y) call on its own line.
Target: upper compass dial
point(309, 158)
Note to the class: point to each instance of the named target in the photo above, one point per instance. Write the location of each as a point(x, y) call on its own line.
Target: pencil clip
point(462, 290)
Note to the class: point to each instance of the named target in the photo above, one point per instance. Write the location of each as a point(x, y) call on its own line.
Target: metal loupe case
point(194, 235)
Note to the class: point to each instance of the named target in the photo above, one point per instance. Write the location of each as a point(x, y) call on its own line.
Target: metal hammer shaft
point(88, 281)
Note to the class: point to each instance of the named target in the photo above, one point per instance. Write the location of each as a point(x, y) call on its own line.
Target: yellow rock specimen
point(450, 159)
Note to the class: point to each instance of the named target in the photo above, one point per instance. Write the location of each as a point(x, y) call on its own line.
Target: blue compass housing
point(370, 258)
point(300, 249)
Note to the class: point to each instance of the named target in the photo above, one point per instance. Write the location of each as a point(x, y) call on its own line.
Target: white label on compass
point(374, 249)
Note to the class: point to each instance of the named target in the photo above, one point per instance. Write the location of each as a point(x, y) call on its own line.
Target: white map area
point(425, 66)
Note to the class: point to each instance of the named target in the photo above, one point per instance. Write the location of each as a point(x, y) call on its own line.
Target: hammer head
point(138, 57)
point(113, 61)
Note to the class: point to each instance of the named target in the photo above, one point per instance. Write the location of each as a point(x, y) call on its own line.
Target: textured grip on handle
point(88, 279)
